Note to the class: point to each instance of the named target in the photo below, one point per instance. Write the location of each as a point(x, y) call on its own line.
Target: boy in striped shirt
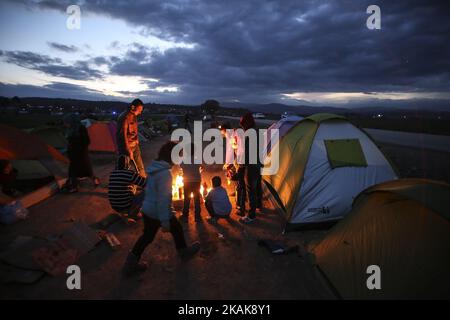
point(122, 189)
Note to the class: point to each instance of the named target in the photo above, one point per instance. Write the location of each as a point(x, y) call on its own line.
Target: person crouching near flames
point(217, 202)
point(122, 193)
point(158, 212)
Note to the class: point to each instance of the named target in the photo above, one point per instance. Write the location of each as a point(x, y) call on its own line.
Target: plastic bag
point(12, 213)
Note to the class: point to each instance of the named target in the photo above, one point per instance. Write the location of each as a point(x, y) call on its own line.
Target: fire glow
point(177, 189)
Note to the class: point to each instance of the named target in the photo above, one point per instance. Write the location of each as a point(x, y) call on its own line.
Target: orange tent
point(34, 159)
point(16, 144)
point(102, 136)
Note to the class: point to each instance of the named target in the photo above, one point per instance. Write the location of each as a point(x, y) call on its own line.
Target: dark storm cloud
point(100, 61)
point(80, 70)
point(52, 90)
point(62, 47)
point(29, 59)
point(260, 49)
point(283, 46)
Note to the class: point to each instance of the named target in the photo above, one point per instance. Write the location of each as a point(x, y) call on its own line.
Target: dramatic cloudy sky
point(186, 51)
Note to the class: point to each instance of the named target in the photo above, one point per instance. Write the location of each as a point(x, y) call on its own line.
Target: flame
point(232, 139)
point(177, 189)
point(202, 189)
point(234, 143)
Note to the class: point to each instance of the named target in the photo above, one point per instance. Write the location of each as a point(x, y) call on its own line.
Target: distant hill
point(416, 107)
point(279, 108)
point(413, 107)
point(90, 105)
point(67, 103)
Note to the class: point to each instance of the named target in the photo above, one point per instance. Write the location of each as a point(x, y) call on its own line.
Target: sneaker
point(132, 265)
point(70, 190)
point(246, 220)
point(187, 253)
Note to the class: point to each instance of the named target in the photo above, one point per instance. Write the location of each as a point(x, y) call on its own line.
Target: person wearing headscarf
point(77, 152)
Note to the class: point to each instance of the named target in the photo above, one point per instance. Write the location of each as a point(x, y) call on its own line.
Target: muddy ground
point(230, 264)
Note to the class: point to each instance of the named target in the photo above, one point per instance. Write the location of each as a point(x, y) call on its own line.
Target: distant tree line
point(211, 107)
point(6, 102)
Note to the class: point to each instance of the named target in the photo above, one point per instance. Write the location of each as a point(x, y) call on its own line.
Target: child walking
point(158, 212)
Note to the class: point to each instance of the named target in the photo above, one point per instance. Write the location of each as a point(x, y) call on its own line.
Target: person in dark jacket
point(77, 151)
point(127, 134)
point(250, 173)
point(192, 180)
point(158, 213)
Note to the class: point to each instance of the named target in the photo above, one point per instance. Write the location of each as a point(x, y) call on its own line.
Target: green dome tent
point(42, 169)
point(52, 136)
point(324, 163)
point(401, 226)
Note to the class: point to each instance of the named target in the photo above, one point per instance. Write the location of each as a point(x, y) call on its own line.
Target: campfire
point(177, 189)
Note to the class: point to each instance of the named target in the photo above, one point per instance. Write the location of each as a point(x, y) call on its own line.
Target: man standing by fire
point(250, 173)
point(127, 134)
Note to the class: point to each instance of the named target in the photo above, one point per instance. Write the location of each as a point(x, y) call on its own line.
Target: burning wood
point(177, 189)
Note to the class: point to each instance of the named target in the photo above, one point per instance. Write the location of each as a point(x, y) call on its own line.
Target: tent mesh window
point(345, 153)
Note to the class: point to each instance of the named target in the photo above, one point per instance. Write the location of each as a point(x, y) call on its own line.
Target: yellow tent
point(402, 227)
